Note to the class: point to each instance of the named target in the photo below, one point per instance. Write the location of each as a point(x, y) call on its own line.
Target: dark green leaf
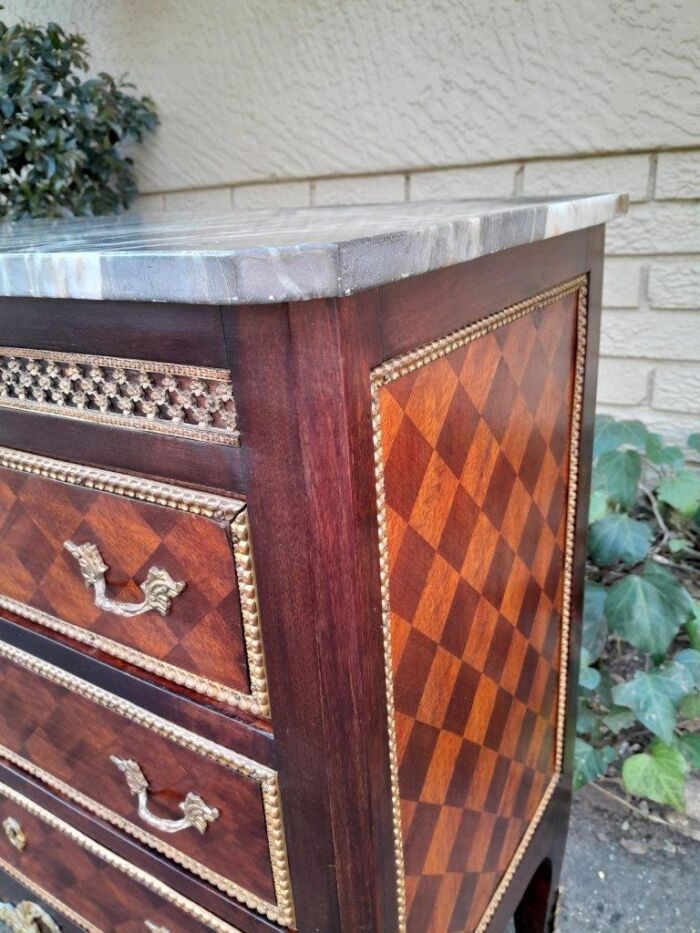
point(588, 677)
point(590, 763)
point(661, 455)
point(648, 609)
point(689, 658)
point(658, 774)
point(681, 491)
point(611, 434)
point(649, 696)
point(618, 473)
point(618, 719)
point(690, 707)
point(619, 539)
point(692, 626)
point(587, 721)
point(595, 628)
point(598, 506)
point(689, 746)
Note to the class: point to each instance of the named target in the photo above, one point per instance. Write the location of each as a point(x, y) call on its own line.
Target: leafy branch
point(62, 138)
point(639, 687)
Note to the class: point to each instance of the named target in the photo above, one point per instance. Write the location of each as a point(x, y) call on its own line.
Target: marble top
point(265, 256)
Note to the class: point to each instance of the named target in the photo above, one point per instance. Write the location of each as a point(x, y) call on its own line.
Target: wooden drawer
point(213, 811)
point(102, 557)
point(71, 876)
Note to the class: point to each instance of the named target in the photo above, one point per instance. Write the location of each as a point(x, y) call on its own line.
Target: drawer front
point(155, 575)
point(79, 879)
point(213, 811)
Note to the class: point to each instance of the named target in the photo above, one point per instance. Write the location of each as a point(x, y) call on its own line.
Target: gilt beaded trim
point(166, 398)
point(282, 910)
point(394, 369)
point(120, 864)
point(47, 898)
point(231, 510)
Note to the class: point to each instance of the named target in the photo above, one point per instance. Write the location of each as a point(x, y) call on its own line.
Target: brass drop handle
point(27, 917)
point(158, 587)
point(14, 833)
point(197, 813)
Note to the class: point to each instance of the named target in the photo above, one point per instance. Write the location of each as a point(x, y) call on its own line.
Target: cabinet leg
point(535, 912)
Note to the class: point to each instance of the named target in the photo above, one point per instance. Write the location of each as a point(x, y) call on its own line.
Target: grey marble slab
point(268, 256)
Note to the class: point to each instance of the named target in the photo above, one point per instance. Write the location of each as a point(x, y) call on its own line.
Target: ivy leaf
point(658, 774)
point(588, 676)
point(661, 455)
point(595, 628)
point(689, 658)
point(590, 763)
point(648, 609)
point(618, 719)
point(689, 746)
point(649, 696)
point(678, 545)
point(618, 472)
point(690, 707)
point(692, 626)
point(587, 722)
point(611, 434)
point(681, 491)
point(675, 678)
point(619, 538)
point(598, 506)
point(694, 441)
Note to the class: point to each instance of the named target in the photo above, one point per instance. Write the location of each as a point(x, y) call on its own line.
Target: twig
point(652, 817)
point(657, 513)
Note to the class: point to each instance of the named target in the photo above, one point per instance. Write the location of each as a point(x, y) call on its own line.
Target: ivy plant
point(62, 135)
point(639, 685)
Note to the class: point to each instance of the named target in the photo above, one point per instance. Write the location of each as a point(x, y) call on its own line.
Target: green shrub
point(62, 137)
point(639, 687)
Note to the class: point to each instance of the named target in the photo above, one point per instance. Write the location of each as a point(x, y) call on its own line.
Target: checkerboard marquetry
point(475, 455)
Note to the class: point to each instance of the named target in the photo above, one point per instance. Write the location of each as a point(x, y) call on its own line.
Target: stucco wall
point(267, 102)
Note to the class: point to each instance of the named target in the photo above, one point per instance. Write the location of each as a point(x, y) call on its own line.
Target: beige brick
point(624, 382)
point(368, 189)
point(651, 334)
point(674, 427)
point(678, 175)
point(148, 204)
point(481, 182)
point(677, 388)
point(629, 173)
point(621, 283)
point(283, 194)
point(199, 199)
point(655, 228)
point(675, 284)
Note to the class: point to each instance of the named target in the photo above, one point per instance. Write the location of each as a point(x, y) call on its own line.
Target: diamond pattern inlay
point(474, 468)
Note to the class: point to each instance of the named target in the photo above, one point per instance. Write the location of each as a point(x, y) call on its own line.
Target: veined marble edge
point(295, 272)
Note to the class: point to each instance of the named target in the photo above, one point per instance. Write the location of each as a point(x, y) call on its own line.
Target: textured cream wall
point(267, 102)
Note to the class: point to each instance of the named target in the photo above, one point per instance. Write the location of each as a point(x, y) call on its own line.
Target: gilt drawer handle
point(158, 587)
point(27, 917)
point(14, 833)
point(198, 814)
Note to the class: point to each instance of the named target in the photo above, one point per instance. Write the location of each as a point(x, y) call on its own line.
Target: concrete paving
point(623, 874)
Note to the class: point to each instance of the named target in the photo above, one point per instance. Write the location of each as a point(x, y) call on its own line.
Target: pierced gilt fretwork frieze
point(167, 398)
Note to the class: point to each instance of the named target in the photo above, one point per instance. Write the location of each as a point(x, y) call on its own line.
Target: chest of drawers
point(291, 513)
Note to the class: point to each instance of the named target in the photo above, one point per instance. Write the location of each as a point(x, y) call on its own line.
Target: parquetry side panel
point(474, 437)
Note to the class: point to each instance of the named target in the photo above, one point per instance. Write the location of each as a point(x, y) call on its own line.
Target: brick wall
point(650, 353)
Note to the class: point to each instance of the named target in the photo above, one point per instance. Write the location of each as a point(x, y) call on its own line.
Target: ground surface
point(623, 874)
